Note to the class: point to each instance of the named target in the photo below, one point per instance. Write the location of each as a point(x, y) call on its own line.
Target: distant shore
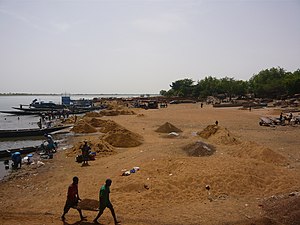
point(55, 94)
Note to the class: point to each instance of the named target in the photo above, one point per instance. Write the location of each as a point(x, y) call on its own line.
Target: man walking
point(72, 199)
point(105, 202)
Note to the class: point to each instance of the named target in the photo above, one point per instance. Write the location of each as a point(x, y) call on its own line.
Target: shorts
point(70, 204)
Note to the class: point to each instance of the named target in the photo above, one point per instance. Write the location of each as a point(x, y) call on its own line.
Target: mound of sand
point(219, 135)
point(122, 137)
point(284, 209)
point(92, 114)
point(167, 128)
point(258, 152)
point(116, 112)
point(83, 127)
point(208, 131)
point(199, 149)
point(101, 147)
point(104, 126)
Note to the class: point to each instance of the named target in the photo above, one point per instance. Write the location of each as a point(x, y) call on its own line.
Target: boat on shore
point(22, 113)
point(29, 132)
point(25, 150)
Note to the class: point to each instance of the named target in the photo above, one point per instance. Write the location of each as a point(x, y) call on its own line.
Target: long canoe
point(24, 150)
point(22, 113)
point(29, 132)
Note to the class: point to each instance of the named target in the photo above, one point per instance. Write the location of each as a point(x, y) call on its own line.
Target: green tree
point(182, 88)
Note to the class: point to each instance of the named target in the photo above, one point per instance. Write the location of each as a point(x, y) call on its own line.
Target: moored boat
point(29, 132)
point(24, 150)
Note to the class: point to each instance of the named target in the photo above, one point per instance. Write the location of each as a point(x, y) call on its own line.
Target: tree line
point(274, 83)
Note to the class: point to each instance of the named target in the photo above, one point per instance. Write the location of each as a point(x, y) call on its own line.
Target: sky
point(141, 46)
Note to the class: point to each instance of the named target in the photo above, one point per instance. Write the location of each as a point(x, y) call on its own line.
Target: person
point(72, 199)
point(17, 159)
point(281, 117)
point(51, 146)
point(217, 123)
point(105, 202)
point(85, 149)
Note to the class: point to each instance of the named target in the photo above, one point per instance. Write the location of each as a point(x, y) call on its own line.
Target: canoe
point(29, 132)
point(22, 113)
point(24, 150)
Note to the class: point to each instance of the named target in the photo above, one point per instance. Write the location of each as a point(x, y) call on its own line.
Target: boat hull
point(29, 132)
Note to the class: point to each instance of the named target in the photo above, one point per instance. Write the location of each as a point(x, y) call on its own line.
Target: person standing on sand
point(105, 202)
point(72, 199)
point(85, 149)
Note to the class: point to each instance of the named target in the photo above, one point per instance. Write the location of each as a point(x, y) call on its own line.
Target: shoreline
point(251, 163)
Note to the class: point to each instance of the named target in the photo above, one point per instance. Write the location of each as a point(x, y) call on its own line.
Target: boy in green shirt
point(105, 202)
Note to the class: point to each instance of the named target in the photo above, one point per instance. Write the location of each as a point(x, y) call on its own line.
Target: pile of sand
point(168, 128)
point(122, 137)
point(219, 135)
point(258, 152)
point(116, 112)
point(69, 120)
point(101, 147)
point(283, 209)
point(199, 149)
point(83, 127)
point(104, 126)
point(208, 131)
point(92, 114)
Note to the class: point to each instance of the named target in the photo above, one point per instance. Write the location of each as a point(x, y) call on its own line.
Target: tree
point(182, 88)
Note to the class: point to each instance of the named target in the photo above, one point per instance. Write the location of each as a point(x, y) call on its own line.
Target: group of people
point(104, 200)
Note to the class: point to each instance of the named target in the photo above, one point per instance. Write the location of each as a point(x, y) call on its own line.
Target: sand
point(253, 172)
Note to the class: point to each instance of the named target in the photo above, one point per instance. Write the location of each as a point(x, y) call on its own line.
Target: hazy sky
point(141, 46)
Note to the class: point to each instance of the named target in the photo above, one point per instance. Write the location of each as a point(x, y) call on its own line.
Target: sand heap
point(92, 114)
point(199, 149)
point(121, 137)
point(104, 126)
point(101, 147)
point(69, 120)
point(284, 208)
point(83, 127)
point(116, 112)
point(219, 135)
point(258, 152)
point(208, 131)
point(167, 128)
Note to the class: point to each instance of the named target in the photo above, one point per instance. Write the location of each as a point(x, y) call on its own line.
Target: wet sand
point(251, 174)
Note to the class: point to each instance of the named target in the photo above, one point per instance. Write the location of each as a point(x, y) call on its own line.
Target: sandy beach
point(253, 172)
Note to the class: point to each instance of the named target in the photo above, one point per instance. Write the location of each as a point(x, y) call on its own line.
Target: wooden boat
point(22, 113)
point(24, 150)
point(29, 132)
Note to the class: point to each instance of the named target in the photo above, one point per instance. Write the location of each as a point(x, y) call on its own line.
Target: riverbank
point(250, 164)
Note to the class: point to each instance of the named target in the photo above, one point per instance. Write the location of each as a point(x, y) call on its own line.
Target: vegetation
point(269, 83)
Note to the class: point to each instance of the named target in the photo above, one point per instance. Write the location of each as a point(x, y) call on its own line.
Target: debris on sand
point(168, 128)
point(199, 149)
point(122, 137)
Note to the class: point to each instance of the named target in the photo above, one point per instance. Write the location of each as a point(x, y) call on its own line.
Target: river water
point(8, 121)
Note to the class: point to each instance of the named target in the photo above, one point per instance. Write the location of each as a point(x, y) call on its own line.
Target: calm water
point(8, 121)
